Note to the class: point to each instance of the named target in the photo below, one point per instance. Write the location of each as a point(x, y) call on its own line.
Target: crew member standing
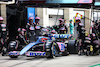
point(3, 34)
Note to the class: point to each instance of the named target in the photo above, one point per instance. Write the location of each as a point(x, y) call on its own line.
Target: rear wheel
point(72, 47)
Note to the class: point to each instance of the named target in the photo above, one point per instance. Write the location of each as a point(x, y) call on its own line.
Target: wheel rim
point(53, 51)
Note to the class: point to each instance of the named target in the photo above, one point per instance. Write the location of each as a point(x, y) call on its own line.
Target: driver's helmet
point(53, 32)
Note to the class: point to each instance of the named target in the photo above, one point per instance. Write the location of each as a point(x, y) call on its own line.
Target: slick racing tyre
point(13, 56)
point(51, 50)
point(72, 47)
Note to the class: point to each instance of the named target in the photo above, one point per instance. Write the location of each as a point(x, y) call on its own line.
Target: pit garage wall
point(68, 14)
point(3, 12)
point(87, 21)
point(43, 14)
point(44, 17)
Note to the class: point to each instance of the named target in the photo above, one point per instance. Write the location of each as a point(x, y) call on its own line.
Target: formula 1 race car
point(49, 45)
point(44, 46)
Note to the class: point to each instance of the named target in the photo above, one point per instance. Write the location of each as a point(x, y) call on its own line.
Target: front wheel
point(13, 56)
point(51, 52)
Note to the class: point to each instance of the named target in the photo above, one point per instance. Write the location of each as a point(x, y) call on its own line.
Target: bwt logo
point(31, 14)
point(38, 54)
point(13, 53)
point(61, 36)
point(85, 0)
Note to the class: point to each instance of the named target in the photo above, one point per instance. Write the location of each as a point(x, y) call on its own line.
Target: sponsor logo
point(62, 47)
point(37, 54)
point(61, 35)
point(13, 53)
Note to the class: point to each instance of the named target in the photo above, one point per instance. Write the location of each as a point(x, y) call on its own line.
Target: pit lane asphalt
point(63, 61)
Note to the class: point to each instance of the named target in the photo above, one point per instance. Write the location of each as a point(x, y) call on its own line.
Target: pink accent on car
point(28, 54)
point(14, 51)
point(59, 44)
point(85, 1)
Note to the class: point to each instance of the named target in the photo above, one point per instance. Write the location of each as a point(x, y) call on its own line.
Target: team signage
point(69, 1)
point(61, 35)
point(85, 1)
point(31, 13)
